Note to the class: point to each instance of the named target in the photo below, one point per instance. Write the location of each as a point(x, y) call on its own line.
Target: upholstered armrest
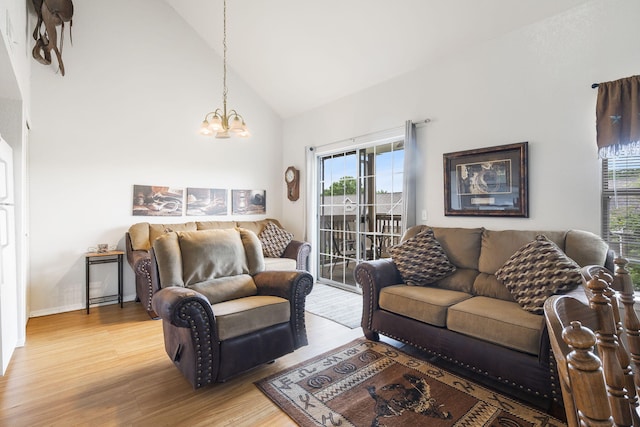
point(300, 252)
point(191, 338)
point(294, 286)
point(372, 276)
point(284, 284)
point(138, 260)
point(183, 307)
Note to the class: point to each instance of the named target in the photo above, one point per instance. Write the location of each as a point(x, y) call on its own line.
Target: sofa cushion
point(245, 315)
point(585, 248)
point(157, 230)
point(215, 225)
point(488, 285)
point(461, 280)
point(462, 245)
point(500, 322)
point(252, 250)
point(139, 234)
point(169, 260)
point(258, 226)
point(428, 305)
point(421, 259)
point(538, 270)
point(498, 246)
point(226, 288)
point(274, 240)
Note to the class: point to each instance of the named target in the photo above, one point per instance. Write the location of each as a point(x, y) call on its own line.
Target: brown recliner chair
point(222, 314)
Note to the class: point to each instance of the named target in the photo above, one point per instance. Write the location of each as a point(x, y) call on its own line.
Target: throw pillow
point(536, 271)
point(421, 259)
point(274, 240)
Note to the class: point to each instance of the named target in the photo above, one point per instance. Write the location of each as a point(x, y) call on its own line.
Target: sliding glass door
point(359, 207)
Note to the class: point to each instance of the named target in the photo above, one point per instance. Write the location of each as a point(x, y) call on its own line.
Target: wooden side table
point(92, 258)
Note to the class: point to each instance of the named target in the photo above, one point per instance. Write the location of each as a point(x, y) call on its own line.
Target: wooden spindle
point(585, 373)
point(624, 284)
point(608, 347)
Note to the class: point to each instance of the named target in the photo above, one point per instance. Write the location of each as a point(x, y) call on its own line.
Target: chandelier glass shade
point(220, 122)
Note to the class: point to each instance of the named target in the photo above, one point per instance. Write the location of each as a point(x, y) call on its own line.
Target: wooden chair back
point(597, 349)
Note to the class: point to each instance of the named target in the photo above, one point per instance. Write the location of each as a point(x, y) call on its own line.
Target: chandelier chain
point(224, 57)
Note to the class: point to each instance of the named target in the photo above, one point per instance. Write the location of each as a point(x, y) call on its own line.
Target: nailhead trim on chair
point(207, 378)
point(303, 288)
point(144, 267)
point(368, 279)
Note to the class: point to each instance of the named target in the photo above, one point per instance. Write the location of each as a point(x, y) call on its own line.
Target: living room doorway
point(359, 206)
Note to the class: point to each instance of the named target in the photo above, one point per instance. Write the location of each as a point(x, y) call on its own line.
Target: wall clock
point(292, 178)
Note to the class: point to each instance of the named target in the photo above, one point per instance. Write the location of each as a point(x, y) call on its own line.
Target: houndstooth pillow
point(274, 240)
point(421, 259)
point(538, 270)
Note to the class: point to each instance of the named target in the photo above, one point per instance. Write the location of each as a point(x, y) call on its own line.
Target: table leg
point(120, 282)
point(87, 283)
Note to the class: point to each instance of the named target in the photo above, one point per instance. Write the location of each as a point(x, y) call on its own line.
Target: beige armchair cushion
point(242, 316)
point(218, 263)
point(226, 288)
point(210, 254)
point(169, 260)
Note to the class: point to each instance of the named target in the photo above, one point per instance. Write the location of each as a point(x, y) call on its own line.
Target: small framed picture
point(206, 201)
point(487, 181)
point(248, 202)
point(157, 200)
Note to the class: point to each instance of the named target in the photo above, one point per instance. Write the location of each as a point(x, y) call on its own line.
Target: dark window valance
point(618, 118)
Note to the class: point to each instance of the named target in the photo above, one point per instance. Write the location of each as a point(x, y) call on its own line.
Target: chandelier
point(221, 122)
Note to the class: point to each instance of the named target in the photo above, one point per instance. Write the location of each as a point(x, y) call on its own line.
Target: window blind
point(621, 206)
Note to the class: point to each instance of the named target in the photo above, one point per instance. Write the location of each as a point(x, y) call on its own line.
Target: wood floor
point(109, 368)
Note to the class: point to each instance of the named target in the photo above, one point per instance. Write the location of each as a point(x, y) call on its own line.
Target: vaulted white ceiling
point(300, 54)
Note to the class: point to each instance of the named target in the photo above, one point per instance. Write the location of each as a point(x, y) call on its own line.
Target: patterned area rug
point(366, 383)
point(335, 304)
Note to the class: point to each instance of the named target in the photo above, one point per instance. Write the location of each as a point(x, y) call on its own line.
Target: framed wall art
point(487, 181)
point(156, 200)
point(248, 202)
point(206, 201)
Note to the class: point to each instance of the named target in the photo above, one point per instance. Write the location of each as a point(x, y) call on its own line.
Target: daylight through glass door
point(359, 208)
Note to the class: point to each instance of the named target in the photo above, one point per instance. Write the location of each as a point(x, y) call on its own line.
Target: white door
point(8, 276)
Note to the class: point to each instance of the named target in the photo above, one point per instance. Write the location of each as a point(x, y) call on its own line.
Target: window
point(621, 210)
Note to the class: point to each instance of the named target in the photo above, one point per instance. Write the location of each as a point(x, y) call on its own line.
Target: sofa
point(140, 237)
point(222, 312)
point(481, 304)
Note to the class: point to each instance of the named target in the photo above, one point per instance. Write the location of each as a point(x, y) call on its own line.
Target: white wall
point(138, 83)
point(531, 85)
